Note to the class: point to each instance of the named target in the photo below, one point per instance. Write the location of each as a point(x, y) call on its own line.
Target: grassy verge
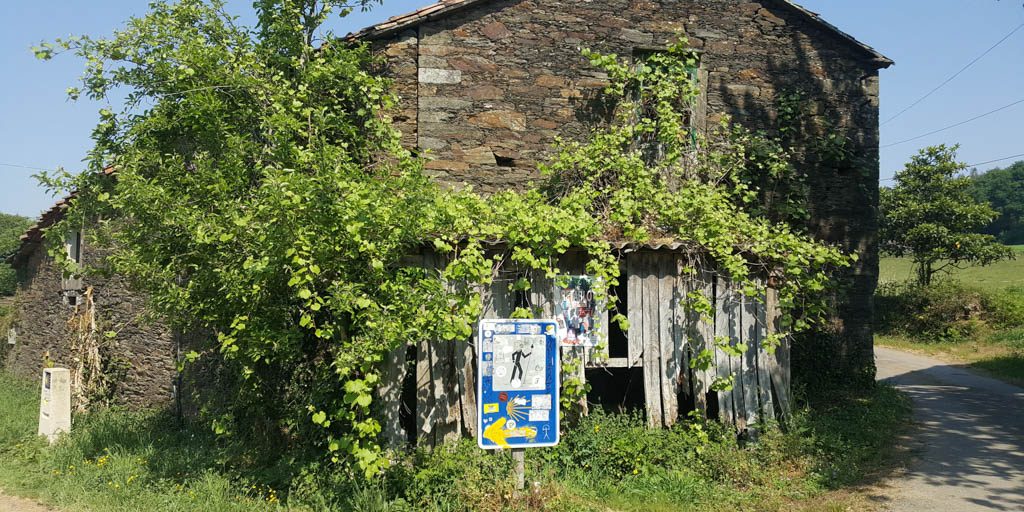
point(116, 460)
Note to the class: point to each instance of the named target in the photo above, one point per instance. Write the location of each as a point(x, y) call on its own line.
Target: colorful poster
point(577, 312)
point(518, 384)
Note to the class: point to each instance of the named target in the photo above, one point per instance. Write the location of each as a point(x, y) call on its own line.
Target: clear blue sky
point(929, 40)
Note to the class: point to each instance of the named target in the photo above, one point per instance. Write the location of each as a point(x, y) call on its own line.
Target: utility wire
point(950, 79)
point(975, 165)
point(996, 160)
point(26, 167)
point(975, 118)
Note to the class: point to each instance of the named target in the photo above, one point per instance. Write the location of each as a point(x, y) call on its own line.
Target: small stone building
point(98, 328)
point(485, 88)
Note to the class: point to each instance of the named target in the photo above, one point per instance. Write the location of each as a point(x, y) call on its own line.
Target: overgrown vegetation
point(261, 194)
point(116, 460)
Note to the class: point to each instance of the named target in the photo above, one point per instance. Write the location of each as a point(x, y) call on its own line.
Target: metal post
point(519, 456)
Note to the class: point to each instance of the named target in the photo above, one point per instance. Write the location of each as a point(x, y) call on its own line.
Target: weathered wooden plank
point(465, 367)
point(670, 343)
point(446, 392)
point(779, 365)
point(634, 309)
point(764, 383)
point(651, 337)
point(748, 326)
point(723, 364)
point(701, 334)
point(680, 330)
point(424, 395)
point(390, 395)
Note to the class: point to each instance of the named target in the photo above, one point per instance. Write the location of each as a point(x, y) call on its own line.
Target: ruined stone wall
point(140, 358)
point(496, 83)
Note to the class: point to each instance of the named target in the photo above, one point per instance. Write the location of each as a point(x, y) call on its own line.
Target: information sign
point(517, 384)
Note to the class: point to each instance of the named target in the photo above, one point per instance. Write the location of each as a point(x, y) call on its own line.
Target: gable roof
point(443, 8)
point(32, 239)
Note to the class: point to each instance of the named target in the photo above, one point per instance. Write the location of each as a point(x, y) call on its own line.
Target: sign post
point(518, 384)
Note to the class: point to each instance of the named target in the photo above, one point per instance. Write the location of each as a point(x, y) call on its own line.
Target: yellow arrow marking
point(496, 433)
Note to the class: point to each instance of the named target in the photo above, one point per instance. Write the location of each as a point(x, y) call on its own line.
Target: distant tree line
point(1004, 190)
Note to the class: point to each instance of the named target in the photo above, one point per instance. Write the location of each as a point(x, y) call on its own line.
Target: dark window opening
point(504, 161)
point(618, 342)
point(616, 389)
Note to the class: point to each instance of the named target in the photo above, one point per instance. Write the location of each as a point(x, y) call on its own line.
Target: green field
point(1003, 274)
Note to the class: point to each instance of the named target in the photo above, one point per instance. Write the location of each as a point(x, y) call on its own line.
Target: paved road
point(970, 443)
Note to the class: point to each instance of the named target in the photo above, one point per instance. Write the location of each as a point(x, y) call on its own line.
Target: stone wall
point(140, 357)
point(486, 90)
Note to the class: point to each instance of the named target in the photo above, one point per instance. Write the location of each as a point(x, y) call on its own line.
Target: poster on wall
point(517, 382)
point(577, 312)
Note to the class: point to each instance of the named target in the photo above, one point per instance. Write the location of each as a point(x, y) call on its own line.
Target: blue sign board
point(517, 384)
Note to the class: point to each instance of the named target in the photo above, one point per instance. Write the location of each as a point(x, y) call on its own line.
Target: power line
point(996, 160)
point(975, 118)
point(26, 167)
point(975, 165)
point(950, 79)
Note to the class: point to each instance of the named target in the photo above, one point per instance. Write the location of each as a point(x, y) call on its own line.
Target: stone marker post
point(55, 403)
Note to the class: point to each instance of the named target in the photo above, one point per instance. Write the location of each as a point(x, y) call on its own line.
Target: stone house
point(95, 327)
point(485, 88)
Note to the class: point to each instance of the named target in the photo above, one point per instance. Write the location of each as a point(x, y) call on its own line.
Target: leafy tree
point(930, 216)
point(1004, 190)
point(261, 194)
point(11, 229)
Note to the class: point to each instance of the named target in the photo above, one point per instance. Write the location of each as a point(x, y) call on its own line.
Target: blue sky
point(929, 40)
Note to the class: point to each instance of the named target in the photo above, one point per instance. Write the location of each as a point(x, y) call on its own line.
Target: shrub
point(945, 311)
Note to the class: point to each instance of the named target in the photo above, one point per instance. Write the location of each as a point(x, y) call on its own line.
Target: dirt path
point(12, 504)
point(969, 447)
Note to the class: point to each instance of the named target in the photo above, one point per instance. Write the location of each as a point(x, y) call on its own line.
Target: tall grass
point(119, 460)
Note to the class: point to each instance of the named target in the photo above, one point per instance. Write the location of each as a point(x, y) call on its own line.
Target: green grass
point(1004, 274)
point(116, 460)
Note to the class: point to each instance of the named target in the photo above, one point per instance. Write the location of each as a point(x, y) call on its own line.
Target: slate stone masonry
point(485, 91)
point(142, 352)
